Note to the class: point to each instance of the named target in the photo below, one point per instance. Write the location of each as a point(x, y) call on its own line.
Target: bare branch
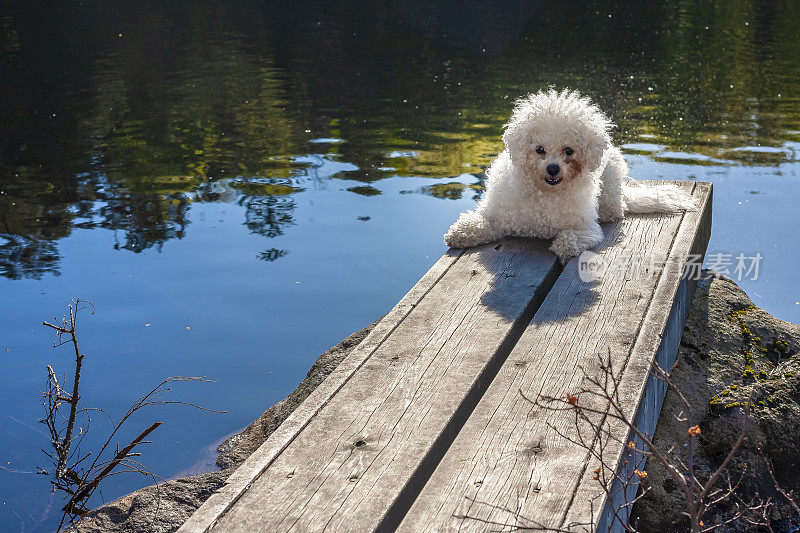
point(77, 474)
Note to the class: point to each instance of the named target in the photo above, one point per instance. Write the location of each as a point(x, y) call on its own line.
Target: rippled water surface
point(237, 187)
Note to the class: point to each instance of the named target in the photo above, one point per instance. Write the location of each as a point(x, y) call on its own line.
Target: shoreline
point(164, 507)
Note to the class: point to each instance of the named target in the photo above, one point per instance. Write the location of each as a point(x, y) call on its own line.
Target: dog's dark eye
point(569, 151)
point(540, 150)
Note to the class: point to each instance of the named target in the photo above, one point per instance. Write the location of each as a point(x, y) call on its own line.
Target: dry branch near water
point(76, 474)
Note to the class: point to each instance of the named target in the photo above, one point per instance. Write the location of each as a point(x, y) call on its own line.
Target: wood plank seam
point(408, 494)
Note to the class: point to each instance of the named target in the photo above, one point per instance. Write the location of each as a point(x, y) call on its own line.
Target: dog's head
point(557, 138)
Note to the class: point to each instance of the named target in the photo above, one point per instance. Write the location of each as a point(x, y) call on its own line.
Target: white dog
point(558, 177)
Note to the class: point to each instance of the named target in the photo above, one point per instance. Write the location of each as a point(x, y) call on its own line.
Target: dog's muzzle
point(553, 171)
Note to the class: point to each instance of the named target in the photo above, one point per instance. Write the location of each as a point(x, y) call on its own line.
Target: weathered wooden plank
point(507, 467)
point(366, 441)
point(658, 342)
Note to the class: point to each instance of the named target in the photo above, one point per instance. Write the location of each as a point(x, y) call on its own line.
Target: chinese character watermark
point(593, 266)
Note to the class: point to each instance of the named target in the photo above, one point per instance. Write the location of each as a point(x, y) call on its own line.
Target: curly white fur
point(558, 177)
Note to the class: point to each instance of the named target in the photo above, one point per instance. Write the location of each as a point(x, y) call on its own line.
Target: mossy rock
point(734, 357)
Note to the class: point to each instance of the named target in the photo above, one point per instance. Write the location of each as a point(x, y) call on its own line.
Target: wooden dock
point(423, 427)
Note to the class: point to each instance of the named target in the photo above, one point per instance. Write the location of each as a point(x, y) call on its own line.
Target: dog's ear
point(521, 128)
point(597, 134)
point(518, 130)
point(511, 140)
point(517, 139)
point(597, 141)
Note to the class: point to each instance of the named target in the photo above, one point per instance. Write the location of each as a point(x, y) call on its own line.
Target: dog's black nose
point(553, 169)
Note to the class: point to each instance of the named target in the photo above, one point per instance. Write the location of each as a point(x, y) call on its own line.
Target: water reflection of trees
point(23, 257)
point(166, 104)
point(267, 215)
point(144, 220)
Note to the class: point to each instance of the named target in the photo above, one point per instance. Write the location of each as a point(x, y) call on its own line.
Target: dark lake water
point(238, 186)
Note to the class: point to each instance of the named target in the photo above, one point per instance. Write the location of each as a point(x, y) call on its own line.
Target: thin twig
point(87, 489)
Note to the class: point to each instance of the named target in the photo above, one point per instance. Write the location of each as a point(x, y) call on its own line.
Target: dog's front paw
point(570, 243)
point(471, 229)
point(565, 246)
point(457, 239)
point(565, 255)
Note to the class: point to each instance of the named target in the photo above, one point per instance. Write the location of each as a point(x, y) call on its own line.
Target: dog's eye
point(569, 151)
point(540, 150)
